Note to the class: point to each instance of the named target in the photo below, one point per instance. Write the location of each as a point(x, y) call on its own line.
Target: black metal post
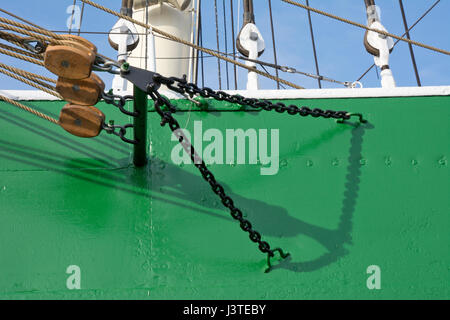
point(140, 127)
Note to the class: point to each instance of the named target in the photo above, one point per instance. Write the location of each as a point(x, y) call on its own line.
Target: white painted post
point(252, 81)
point(381, 43)
point(151, 52)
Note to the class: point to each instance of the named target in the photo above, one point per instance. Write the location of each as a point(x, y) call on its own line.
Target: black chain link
point(120, 131)
point(119, 102)
point(217, 188)
point(181, 86)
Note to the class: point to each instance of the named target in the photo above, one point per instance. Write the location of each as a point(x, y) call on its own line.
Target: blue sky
point(340, 48)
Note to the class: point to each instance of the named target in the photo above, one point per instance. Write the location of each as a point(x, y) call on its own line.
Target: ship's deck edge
point(33, 95)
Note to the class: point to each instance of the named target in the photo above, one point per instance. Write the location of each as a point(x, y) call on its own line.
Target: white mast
point(142, 49)
point(164, 56)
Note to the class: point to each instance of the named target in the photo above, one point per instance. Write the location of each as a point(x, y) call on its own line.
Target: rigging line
point(26, 74)
point(19, 18)
point(410, 28)
point(369, 3)
point(171, 58)
point(30, 80)
point(33, 83)
point(36, 33)
point(81, 18)
point(218, 47)
point(226, 39)
point(22, 57)
point(264, 68)
point(233, 41)
point(273, 42)
point(15, 39)
point(28, 109)
point(201, 45)
point(17, 50)
point(411, 50)
point(187, 43)
point(356, 24)
point(41, 33)
point(197, 40)
point(288, 69)
point(238, 14)
point(31, 34)
point(73, 14)
point(267, 64)
point(146, 38)
point(311, 30)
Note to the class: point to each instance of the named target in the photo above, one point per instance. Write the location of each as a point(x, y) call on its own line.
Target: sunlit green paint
point(345, 198)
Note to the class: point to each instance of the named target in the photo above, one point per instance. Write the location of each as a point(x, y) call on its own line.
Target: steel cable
point(356, 24)
point(177, 39)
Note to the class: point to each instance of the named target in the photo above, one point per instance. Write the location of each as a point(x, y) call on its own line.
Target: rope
point(218, 47)
point(411, 50)
point(282, 68)
point(25, 53)
point(33, 83)
point(313, 41)
point(31, 34)
point(28, 109)
point(233, 41)
point(14, 39)
point(226, 41)
point(81, 18)
point(273, 41)
point(19, 18)
point(187, 43)
point(26, 74)
point(73, 14)
point(356, 24)
point(202, 59)
point(56, 38)
point(410, 28)
point(21, 57)
point(28, 30)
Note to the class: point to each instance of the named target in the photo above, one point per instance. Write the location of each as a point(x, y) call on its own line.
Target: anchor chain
point(181, 86)
point(119, 131)
point(208, 176)
point(119, 102)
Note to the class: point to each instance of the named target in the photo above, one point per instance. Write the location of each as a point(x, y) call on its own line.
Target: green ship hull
point(345, 198)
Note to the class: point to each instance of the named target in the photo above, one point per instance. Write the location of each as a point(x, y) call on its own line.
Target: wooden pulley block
point(71, 61)
point(81, 121)
point(82, 41)
point(85, 92)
